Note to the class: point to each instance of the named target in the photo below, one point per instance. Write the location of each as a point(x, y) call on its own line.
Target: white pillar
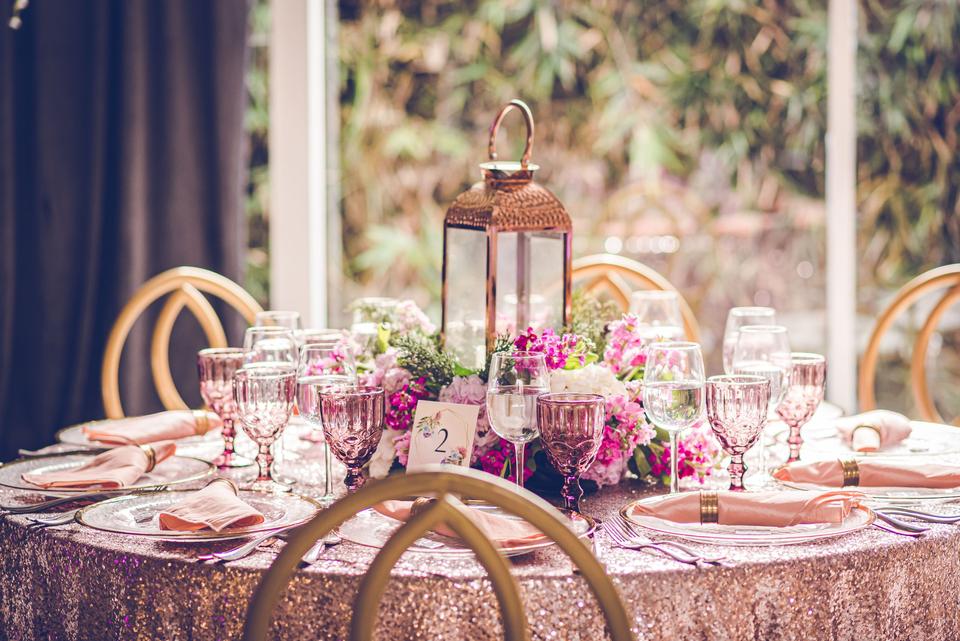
point(841, 168)
point(298, 159)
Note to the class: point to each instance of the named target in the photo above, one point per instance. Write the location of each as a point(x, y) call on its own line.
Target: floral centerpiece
point(594, 356)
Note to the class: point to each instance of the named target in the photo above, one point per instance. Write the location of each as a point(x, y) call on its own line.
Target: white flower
point(592, 379)
point(383, 458)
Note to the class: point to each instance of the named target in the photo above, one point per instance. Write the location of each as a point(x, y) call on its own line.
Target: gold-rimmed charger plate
point(172, 471)
point(137, 515)
point(372, 529)
point(205, 446)
point(746, 535)
point(900, 495)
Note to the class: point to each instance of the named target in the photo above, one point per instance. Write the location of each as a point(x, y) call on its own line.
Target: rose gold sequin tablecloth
point(75, 583)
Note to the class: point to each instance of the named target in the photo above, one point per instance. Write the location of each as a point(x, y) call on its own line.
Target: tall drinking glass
point(571, 429)
point(277, 318)
point(216, 367)
point(270, 347)
point(764, 350)
point(803, 397)
point(322, 365)
point(265, 397)
point(673, 392)
point(737, 412)
point(514, 382)
point(658, 313)
point(738, 317)
point(353, 425)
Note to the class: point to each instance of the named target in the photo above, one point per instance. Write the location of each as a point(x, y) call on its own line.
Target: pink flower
point(568, 350)
point(402, 445)
point(499, 461)
point(402, 404)
point(625, 429)
point(625, 354)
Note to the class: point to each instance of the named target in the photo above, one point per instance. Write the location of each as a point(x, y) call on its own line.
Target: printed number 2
point(439, 449)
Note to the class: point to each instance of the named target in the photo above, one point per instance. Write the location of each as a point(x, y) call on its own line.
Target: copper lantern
point(506, 255)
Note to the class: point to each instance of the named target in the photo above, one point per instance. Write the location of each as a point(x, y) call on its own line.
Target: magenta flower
point(402, 404)
point(559, 352)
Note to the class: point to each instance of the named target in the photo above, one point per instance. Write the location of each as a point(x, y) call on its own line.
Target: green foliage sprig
point(422, 357)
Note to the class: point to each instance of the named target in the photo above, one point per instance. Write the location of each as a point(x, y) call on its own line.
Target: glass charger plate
point(372, 529)
point(886, 494)
point(137, 515)
point(172, 471)
point(746, 535)
point(926, 439)
point(204, 446)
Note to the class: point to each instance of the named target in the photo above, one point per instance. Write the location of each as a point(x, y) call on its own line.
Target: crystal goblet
point(737, 412)
point(216, 367)
point(571, 429)
point(352, 424)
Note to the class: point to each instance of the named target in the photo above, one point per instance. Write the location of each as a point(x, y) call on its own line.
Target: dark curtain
point(121, 155)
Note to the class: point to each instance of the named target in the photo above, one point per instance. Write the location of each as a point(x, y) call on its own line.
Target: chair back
point(619, 276)
point(946, 277)
point(445, 483)
point(186, 286)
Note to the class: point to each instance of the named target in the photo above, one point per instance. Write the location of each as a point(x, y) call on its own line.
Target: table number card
point(442, 433)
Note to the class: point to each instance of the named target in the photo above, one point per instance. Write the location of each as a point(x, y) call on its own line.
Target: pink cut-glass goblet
point(265, 398)
point(352, 419)
point(803, 397)
point(216, 367)
point(737, 411)
point(571, 428)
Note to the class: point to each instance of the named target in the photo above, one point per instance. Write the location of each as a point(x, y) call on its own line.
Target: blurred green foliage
point(256, 123)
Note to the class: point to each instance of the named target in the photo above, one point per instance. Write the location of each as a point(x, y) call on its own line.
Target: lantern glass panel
point(466, 298)
point(530, 271)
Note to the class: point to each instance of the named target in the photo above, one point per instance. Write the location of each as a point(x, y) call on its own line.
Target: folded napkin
point(772, 509)
point(874, 430)
point(110, 470)
point(215, 507)
point(873, 474)
point(162, 426)
point(505, 532)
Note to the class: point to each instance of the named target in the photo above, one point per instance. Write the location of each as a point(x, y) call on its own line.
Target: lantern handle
point(527, 118)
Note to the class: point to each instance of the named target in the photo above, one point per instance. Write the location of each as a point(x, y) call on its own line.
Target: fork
point(619, 537)
point(245, 549)
point(52, 520)
point(636, 535)
point(947, 519)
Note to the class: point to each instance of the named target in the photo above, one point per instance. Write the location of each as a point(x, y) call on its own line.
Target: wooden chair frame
point(443, 482)
point(186, 286)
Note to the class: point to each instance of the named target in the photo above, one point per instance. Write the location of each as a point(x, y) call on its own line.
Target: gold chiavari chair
point(444, 483)
point(619, 276)
point(946, 277)
point(186, 286)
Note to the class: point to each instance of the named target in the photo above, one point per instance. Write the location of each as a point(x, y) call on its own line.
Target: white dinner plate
point(205, 446)
point(746, 535)
point(137, 515)
point(926, 439)
point(372, 529)
point(171, 471)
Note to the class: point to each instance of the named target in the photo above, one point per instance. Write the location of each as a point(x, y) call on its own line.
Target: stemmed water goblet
point(673, 392)
point(216, 368)
point(265, 397)
point(514, 381)
point(270, 347)
point(322, 364)
point(737, 409)
point(739, 317)
point(804, 394)
point(658, 313)
point(571, 429)
point(352, 419)
point(764, 350)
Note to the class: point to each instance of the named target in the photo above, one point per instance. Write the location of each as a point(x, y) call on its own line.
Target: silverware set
point(249, 547)
point(624, 535)
point(89, 497)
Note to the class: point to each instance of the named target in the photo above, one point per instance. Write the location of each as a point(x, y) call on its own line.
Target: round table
point(75, 583)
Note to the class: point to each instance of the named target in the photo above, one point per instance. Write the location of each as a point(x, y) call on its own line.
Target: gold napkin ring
point(151, 457)
point(709, 507)
point(419, 505)
point(201, 422)
point(851, 472)
point(223, 479)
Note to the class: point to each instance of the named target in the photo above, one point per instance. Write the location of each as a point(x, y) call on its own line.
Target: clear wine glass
point(803, 396)
point(658, 313)
point(270, 347)
point(737, 409)
point(571, 429)
point(738, 317)
point(315, 335)
point(764, 350)
point(278, 318)
point(216, 367)
point(353, 424)
point(514, 381)
point(265, 397)
point(673, 392)
point(322, 365)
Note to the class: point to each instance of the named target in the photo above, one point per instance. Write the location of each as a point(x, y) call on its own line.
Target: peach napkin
point(889, 428)
point(215, 507)
point(874, 474)
point(772, 509)
point(503, 531)
point(110, 470)
point(162, 426)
